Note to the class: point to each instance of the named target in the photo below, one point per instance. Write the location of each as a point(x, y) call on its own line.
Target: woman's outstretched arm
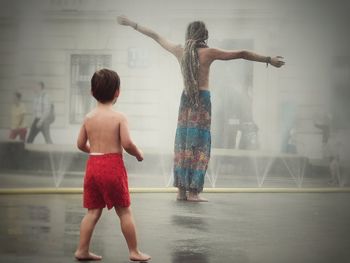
point(166, 44)
point(218, 54)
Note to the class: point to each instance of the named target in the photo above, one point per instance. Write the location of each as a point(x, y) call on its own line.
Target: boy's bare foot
point(86, 256)
point(139, 256)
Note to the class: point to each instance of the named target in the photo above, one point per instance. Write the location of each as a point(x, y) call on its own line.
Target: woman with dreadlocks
point(193, 138)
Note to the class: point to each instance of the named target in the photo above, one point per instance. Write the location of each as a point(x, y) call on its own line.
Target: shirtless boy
point(104, 134)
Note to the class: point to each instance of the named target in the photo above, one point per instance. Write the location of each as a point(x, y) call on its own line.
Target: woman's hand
point(124, 21)
point(277, 61)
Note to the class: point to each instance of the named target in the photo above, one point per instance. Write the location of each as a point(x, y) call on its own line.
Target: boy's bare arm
point(82, 140)
point(127, 142)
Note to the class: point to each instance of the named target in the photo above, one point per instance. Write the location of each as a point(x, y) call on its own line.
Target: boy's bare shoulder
point(120, 115)
point(89, 116)
point(116, 115)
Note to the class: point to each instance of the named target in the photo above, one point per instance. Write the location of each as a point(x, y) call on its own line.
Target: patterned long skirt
point(192, 143)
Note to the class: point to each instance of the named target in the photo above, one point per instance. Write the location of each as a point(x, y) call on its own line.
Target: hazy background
point(63, 42)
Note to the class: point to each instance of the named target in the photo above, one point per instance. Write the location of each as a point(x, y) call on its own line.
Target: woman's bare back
point(204, 67)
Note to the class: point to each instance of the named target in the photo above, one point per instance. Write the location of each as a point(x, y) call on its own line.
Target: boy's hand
point(139, 157)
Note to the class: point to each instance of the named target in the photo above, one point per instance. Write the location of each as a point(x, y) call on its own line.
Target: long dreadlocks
point(196, 37)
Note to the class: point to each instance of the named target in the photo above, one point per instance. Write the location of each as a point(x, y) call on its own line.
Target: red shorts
point(21, 132)
point(106, 182)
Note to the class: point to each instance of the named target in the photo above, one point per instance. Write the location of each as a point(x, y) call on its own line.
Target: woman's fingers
point(280, 62)
point(122, 20)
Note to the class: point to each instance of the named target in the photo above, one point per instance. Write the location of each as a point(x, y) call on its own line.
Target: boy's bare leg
point(86, 229)
point(194, 197)
point(129, 231)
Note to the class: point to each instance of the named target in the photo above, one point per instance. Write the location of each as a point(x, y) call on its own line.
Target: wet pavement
point(239, 228)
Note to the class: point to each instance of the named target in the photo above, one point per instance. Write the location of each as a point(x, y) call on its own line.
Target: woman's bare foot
point(196, 198)
point(181, 195)
point(139, 256)
point(86, 256)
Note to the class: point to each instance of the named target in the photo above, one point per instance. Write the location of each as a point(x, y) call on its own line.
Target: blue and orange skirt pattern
point(192, 143)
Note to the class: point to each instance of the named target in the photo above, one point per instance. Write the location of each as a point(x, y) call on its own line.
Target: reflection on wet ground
point(230, 228)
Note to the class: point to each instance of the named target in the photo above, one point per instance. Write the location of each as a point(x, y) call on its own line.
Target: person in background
point(18, 125)
point(331, 147)
point(42, 108)
point(292, 147)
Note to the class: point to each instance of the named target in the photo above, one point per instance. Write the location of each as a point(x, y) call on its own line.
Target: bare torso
point(204, 68)
point(103, 130)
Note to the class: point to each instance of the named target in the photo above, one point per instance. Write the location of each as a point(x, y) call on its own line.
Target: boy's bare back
point(103, 126)
point(105, 130)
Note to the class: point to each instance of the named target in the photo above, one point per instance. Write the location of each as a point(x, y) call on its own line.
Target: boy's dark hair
point(104, 84)
point(42, 84)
